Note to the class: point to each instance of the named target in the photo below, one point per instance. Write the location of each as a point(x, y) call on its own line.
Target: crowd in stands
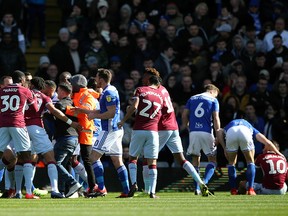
point(241, 46)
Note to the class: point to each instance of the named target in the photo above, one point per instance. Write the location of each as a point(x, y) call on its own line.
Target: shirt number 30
point(11, 103)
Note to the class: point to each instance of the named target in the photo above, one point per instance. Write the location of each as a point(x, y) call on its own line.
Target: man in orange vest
point(82, 98)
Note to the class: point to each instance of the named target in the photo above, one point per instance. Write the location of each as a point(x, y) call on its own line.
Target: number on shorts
point(280, 166)
point(199, 111)
point(144, 113)
point(11, 103)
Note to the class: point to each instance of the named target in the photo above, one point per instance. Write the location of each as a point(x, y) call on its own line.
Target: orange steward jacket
point(84, 99)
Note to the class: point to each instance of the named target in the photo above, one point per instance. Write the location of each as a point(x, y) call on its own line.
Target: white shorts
point(109, 142)
point(146, 142)
point(239, 136)
point(171, 139)
point(204, 141)
point(77, 150)
point(19, 136)
point(40, 142)
point(259, 189)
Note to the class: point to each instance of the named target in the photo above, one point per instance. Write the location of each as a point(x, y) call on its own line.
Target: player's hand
point(120, 124)
point(77, 126)
point(76, 110)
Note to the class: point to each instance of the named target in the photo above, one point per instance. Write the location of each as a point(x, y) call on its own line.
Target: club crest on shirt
point(108, 98)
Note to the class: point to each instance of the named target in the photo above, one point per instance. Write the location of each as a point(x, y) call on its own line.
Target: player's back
point(13, 99)
point(35, 118)
point(110, 97)
point(149, 108)
point(201, 108)
point(168, 118)
point(274, 169)
point(243, 122)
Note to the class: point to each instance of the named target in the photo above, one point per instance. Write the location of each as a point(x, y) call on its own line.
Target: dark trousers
point(85, 151)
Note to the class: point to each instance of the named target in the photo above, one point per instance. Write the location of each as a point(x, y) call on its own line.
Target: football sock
point(18, 171)
point(209, 171)
point(133, 171)
point(9, 179)
point(196, 185)
point(232, 176)
point(80, 170)
point(99, 173)
point(2, 171)
point(123, 177)
point(53, 176)
point(250, 174)
point(146, 179)
point(153, 178)
point(28, 175)
point(191, 171)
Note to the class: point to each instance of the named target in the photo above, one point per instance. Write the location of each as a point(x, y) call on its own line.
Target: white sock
point(28, 175)
point(80, 170)
point(191, 171)
point(133, 172)
point(18, 172)
point(153, 180)
point(53, 176)
point(9, 179)
point(146, 179)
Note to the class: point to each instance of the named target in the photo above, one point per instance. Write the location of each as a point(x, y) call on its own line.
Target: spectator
point(279, 29)
point(125, 17)
point(201, 17)
point(98, 51)
point(11, 56)
point(36, 10)
point(276, 56)
point(261, 97)
point(173, 14)
point(163, 62)
point(57, 52)
point(240, 91)
point(8, 24)
point(44, 62)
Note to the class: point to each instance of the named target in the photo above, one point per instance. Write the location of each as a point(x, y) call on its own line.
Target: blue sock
point(99, 174)
point(196, 185)
point(33, 187)
point(1, 174)
point(209, 172)
point(250, 174)
point(123, 177)
point(232, 176)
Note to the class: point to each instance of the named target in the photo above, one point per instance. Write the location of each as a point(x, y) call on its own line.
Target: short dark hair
point(18, 76)
point(105, 74)
point(66, 87)
point(51, 84)
point(38, 83)
point(3, 78)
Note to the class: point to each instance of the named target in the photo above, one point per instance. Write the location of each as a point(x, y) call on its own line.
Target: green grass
point(173, 204)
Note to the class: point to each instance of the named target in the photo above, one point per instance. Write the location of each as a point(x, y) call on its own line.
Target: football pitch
point(174, 204)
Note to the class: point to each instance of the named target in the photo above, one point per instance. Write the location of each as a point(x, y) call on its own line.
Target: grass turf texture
point(173, 204)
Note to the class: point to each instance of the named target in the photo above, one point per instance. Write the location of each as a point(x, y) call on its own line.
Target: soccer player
point(202, 111)
point(274, 169)
point(109, 141)
point(169, 135)
point(13, 99)
point(240, 133)
point(148, 101)
point(9, 157)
